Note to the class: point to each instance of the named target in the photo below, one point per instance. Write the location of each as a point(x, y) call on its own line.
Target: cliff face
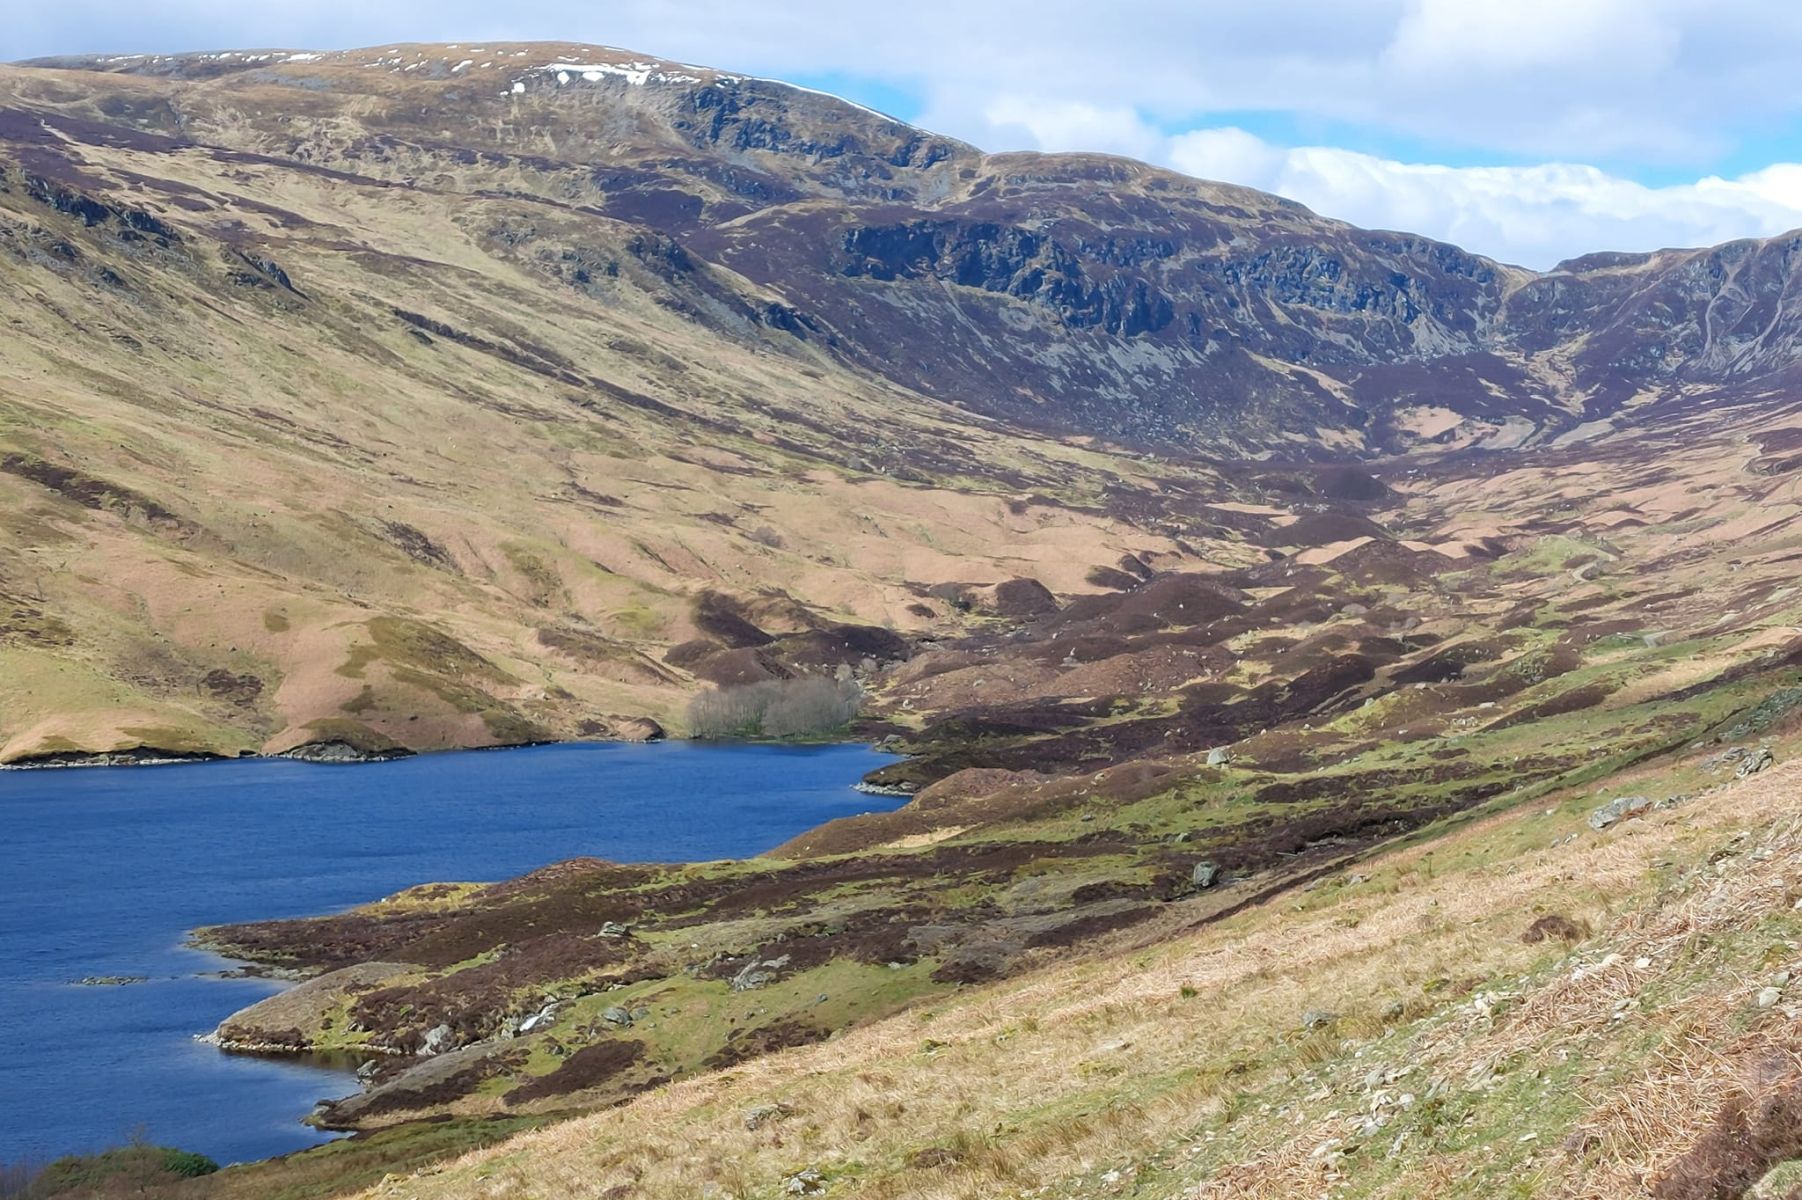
point(1075, 292)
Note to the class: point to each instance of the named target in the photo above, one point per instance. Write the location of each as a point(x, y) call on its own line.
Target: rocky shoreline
point(326, 753)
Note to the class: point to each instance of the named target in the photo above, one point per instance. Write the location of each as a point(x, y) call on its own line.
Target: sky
point(1529, 130)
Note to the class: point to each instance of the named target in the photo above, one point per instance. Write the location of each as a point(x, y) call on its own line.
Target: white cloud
point(1070, 125)
point(1671, 80)
point(1448, 39)
point(1532, 215)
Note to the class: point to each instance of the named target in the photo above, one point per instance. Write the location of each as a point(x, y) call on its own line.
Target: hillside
point(1262, 605)
point(492, 362)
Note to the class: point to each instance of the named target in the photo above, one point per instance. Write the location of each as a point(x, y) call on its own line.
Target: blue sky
point(1526, 129)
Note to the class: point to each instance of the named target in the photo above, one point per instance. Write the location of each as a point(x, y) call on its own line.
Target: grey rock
point(755, 974)
point(613, 929)
point(808, 1182)
point(1754, 762)
point(342, 752)
point(542, 1018)
point(759, 1115)
point(1219, 756)
point(1205, 875)
point(618, 1017)
point(1619, 809)
point(437, 1040)
point(1318, 1018)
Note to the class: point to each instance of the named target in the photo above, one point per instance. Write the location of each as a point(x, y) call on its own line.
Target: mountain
point(415, 396)
point(1265, 608)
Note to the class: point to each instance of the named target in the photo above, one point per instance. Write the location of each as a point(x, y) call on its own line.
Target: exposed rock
point(757, 974)
point(1318, 1018)
point(141, 757)
point(1219, 756)
point(437, 1040)
point(421, 1083)
point(1766, 713)
point(1715, 763)
point(759, 1115)
point(1754, 762)
point(882, 789)
point(1619, 809)
point(285, 1022)
point(1205, 875)
point(342, 752)
point(613, 929)
point(618, 1017)
point(808, 1182)
point(541, 1019)
point(111, 980)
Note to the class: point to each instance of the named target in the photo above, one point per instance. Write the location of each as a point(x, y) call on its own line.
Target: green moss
point(404, 642)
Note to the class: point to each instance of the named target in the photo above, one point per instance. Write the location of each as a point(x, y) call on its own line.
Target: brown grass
point(1148, 1058)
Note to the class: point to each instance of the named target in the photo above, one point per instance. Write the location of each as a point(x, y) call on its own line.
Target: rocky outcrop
point(286, 1021)
point(343, 752)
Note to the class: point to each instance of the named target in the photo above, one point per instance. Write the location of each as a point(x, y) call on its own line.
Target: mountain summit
point(1070, 292)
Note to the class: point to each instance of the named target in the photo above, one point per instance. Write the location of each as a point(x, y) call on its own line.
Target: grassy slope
point(356, 466)
point(1460, 1060)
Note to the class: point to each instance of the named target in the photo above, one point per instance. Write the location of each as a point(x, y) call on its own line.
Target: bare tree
point(777, 708)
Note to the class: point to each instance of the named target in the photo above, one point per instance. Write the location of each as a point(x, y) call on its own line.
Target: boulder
point(1219, 756)
point(1205, 875)
point(542, 1018)
point(1619, 809)
point(1754, 762)
point(759, 1115)
point(437, 1040)
point(756, 974)
point(617, 1017)
point(808, 1182)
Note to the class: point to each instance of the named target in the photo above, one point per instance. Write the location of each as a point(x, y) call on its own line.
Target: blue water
point(104, 870)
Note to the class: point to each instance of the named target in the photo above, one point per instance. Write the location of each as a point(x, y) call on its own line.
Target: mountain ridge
point(333, 263)
point(1193, 550)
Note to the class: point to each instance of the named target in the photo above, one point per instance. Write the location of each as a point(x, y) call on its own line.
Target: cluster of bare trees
point(778, 708)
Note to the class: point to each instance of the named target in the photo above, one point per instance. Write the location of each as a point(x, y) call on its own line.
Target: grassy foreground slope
point(1514, 1003)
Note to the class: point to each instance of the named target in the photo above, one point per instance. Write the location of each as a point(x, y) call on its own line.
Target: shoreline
point(340, 754)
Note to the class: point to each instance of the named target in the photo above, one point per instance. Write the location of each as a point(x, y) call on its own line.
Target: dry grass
point(1187, 1067)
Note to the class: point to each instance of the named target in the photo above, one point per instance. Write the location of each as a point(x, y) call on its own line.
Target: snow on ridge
point(636, 74)
point(639, 73)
